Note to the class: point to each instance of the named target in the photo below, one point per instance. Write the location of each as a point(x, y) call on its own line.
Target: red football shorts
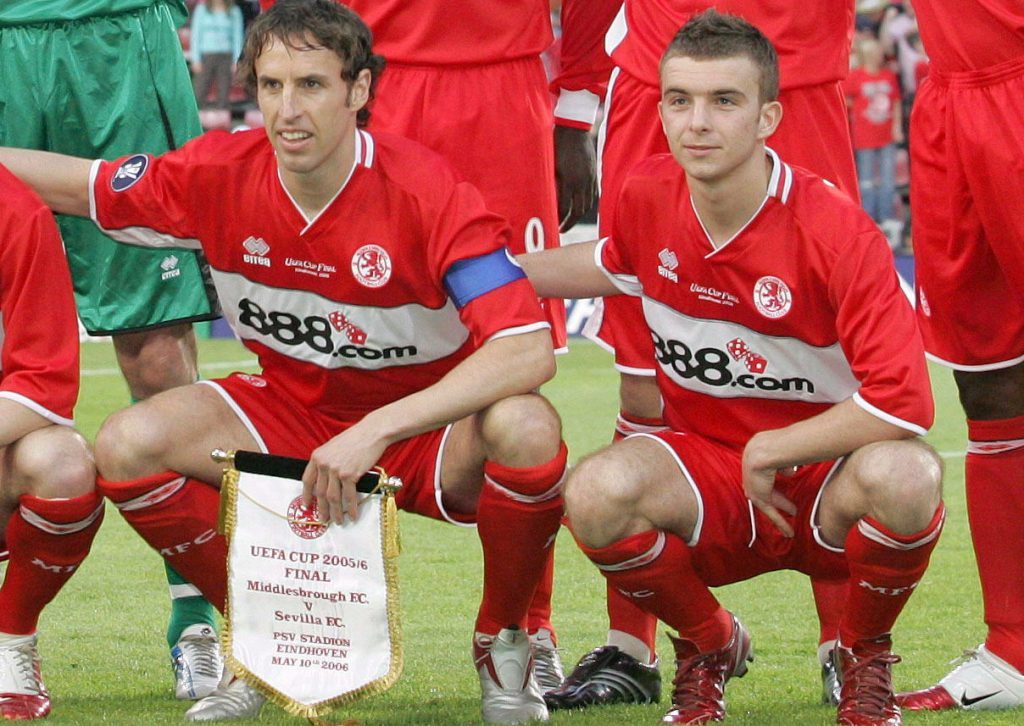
point(284, 427)
point(967, 197)
point(814, 134)
point(733, 540)
point(494, 124)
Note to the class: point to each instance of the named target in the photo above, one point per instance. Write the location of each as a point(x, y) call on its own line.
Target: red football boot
point(699, 693)
point(865, 675)
point(22, 694)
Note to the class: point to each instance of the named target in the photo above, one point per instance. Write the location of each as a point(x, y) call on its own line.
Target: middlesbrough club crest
point(371, 266)
point(772, 297)
point(305, 521)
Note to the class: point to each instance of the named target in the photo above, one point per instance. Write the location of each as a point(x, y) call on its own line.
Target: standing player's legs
point(145, 299)
point(157, 359)
point(49, 515)
point(969, 240)
point(514, 171)
point(515, 447)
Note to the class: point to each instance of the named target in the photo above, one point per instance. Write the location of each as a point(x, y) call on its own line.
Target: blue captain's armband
point(468, 279)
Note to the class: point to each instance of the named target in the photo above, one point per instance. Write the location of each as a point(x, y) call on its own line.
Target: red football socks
point(626, 617)
point(518, 516)
point(885, 567)
point(539, 615)
point(177, 516)
point(830, 602)
point(623, 615)
point(48, 539)
point(995, 508)
point(653, 570)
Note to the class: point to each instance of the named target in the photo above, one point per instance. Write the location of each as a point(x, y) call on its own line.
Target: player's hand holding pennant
point(312, 615)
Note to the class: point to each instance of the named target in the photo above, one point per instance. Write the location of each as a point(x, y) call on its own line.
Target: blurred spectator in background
point(216, 43)
point(899, 24)
point(873, 95)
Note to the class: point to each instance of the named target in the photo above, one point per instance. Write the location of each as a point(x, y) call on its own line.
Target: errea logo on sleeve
point(130, 171)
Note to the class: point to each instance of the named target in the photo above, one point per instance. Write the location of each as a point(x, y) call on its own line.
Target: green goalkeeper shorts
point(105, 87)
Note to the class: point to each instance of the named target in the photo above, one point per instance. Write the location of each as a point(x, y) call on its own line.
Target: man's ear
point(359, 91)
point(769, 119)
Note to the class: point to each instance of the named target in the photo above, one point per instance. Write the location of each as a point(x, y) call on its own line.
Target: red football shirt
point(812, 38)
point(800, 310)
point(38, 323)
point(970, 34)
point(470, 32)
point(398, 279)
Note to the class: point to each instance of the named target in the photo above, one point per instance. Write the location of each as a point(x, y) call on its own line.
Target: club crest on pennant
point(305, 521)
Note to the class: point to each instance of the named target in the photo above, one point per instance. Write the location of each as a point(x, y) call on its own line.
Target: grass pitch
point(105, 659)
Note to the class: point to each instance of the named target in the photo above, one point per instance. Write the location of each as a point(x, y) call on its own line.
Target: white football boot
point(235, 700)
point(547, 663)
point(982, 682)
point(197, 663)
point(509, 690)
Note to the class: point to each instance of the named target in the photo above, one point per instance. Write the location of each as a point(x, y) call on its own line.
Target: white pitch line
point(952, 454)
point(92, 372)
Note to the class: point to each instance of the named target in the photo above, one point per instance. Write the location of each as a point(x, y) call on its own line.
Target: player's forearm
point(501, 368)
point(568, 271)
point(62, 181)
point(836, 432)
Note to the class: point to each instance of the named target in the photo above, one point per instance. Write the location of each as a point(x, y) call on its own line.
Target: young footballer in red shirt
point(813, 42)
point(794, 382)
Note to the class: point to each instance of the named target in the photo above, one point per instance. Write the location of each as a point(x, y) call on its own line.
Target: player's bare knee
point(902, 482)
point(600, 497)
point(54, 462)
point(128, 446)
point(521, 431)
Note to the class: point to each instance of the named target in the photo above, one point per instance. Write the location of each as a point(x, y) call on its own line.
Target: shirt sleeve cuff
point(577, 108)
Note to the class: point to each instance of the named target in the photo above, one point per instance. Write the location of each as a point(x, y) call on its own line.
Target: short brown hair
point(713, 35)
point(309, 24)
